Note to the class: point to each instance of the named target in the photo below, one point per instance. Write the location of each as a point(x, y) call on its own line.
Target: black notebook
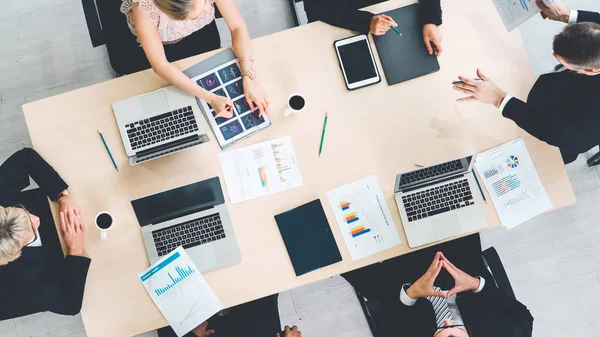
point(308, 238)
point(405, 57)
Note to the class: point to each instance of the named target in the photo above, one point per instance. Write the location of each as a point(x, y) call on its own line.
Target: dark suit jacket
point(562, 108)
point(346, 13)
point(42, 279)
point(490, 313)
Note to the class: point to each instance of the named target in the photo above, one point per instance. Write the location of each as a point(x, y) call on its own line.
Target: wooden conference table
point(381, 130)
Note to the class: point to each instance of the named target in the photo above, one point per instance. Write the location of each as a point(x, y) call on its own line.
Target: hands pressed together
point(71, 225)
point(201, 331)
point(424, 286)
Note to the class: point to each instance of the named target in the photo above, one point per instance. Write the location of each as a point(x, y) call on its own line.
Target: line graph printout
point(364, 218)
point(513, 183)
point(180, 292)
point(260, 169)
point(515, 12)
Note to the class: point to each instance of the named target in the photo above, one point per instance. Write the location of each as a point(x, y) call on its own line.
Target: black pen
point(461, 82)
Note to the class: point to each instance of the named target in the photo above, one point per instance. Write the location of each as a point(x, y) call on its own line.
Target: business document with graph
point(180, 292)
point(512, 182)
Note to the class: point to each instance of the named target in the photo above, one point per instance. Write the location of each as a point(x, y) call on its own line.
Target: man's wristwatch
point(64, 193)
point(250, 73)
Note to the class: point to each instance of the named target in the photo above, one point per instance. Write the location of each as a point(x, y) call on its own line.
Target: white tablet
point(357, 62)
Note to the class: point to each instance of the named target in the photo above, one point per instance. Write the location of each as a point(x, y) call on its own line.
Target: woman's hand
point(380, 24)
point(72, 228)
point(256, 96)
point(432, 36)
point(66, 203)
point(222, 106)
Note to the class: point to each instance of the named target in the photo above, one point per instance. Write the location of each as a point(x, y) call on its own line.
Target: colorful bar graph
point(182, 275)
point(350, 218)
point(506, 184)
point(344, 205)
point(359, 230)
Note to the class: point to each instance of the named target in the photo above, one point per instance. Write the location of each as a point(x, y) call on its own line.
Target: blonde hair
point(15, 225)
point(176, 9)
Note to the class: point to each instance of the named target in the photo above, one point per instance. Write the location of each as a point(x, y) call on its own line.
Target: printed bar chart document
point(513, 183)
point(180, 292)
point(515, 12)
point(260, 169)
point(364, 218)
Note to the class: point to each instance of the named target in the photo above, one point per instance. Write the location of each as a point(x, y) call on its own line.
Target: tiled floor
point(553, 261)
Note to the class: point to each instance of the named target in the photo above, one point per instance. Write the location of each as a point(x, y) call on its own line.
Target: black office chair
point(295, 14)
point(108, 26)
point(372, 308)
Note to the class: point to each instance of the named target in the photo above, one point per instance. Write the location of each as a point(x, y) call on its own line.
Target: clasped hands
point(424, 286)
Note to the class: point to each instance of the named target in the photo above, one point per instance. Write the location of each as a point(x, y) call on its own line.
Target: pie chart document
point(512, 182)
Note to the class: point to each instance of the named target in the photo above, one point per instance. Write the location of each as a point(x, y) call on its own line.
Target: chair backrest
point(98, 15)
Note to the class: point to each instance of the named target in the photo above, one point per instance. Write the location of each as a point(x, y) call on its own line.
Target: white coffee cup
point(296, 102)
point(104, 222)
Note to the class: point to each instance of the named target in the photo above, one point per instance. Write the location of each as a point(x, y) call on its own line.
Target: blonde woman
point(160, 23)
point(34, 274)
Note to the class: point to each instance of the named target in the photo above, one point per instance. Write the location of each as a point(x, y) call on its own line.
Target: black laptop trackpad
point(178, 202)
point(308, 238)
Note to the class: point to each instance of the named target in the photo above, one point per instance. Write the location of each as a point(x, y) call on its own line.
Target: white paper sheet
point(515, 12)
point(364, 218)
point(180, 292)
point(513, 183)
point(260, 169)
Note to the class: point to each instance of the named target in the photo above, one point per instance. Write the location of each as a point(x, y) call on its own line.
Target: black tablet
point(357, 62)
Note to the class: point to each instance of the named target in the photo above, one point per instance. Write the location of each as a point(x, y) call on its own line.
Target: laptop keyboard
point(178, 122)
point(189, 234)
point(430, 172)
point(437, 200)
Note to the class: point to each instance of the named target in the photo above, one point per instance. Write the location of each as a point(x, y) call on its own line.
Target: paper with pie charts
point(512, 182)
point(226, 80)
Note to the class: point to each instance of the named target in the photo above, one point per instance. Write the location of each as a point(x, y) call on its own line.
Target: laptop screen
point(178, 202)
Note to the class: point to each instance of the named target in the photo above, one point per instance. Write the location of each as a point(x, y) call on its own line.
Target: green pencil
point(323, 134)
point(396, 30)
point(479, 185)
point(108, 150)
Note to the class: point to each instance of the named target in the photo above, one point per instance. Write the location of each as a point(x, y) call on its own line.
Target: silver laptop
point(159, 123)
point(439, 201)
point(193, 216)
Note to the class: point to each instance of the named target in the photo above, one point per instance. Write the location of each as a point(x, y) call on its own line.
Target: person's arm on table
point(341, 14)
point(558, 12)
point(523, 114)
point(62, 291)
point(243, 51)
point(431, 18)
point(155, 52)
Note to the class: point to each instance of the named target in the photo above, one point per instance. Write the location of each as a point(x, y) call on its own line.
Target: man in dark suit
point(562, 107)
point(34, 274)
point(421, 298)
point(346, 14)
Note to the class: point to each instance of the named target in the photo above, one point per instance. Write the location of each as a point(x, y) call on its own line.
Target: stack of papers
point(180, 292)
point(513, 183)
point(261, 169)
point(364, 218)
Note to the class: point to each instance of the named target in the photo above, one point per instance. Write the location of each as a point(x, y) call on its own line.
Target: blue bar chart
point(182, 275)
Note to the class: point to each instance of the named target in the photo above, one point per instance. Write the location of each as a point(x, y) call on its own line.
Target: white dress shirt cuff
point(573, 16)
point(481, 285)
point(404, 298)
point(504, 102)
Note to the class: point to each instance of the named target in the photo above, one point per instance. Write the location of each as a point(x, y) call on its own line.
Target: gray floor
point(553, 260)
